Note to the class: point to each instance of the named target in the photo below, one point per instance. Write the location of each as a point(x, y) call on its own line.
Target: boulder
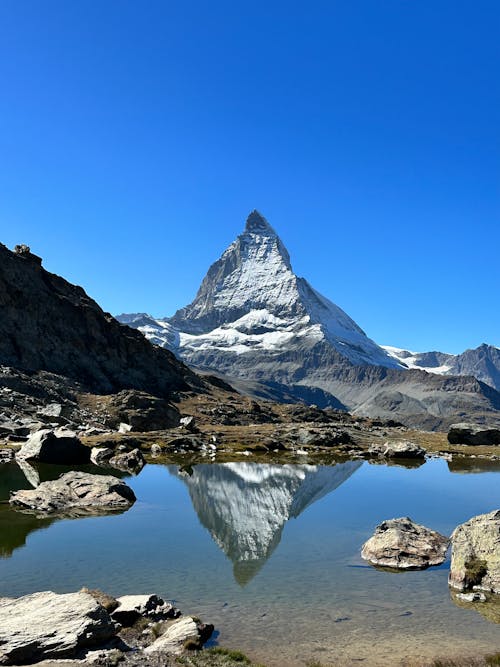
point(185, 633)
point(473, 434)
point(49, 626)
point(76, 494)
point(475, 554)
point(404, 545)
point(48, 446)
point(6, 455)
point(189, 424)
point(133, 460)
point(139, 411)
point(101, 455)
point(132, 607)
point(404, 449)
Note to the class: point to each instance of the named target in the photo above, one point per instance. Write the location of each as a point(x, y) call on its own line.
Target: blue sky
point(136, 137)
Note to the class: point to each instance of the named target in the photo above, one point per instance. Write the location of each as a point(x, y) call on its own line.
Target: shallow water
point(269, 554)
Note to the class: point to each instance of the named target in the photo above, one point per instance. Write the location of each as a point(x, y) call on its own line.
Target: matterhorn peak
point(257, 224)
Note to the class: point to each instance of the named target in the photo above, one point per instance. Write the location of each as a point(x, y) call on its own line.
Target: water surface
point(269, 554)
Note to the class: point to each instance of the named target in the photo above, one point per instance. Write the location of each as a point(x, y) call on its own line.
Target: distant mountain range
point(483, 362)
point(271, 334)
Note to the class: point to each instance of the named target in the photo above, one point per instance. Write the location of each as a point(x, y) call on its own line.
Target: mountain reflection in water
point(245, 506)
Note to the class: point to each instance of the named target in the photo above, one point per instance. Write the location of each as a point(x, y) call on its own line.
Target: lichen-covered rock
point(185, 633)
point(49, 625)
point(48, 446)
point(404, 545)
point(475, 555)
point(404, 449)
point(473, 434)
point(76, 494)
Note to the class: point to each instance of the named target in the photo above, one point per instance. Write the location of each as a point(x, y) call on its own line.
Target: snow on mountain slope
point(424, 361)
point(251, 300)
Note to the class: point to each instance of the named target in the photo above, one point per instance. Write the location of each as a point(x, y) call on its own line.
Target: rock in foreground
point(131, 607)
point(472, 434)
point(404, 545)
point(76, 494)
point(184, 633)
point(49, 446)
point(475, 558)
point(403, 449)
point(48, 625)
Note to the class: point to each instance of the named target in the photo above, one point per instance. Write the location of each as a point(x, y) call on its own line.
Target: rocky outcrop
point(404, 449)
point(185, 633)
point(49, 446)
point(402, 544)
point(140, 411)
point(475, 556)
point(130, 608)
point(128, 461)
point(49, 625)
point(47, 324)
point(473, 434)
point(76, 494)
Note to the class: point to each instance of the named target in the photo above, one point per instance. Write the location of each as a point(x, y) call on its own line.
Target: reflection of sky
point(159, 545)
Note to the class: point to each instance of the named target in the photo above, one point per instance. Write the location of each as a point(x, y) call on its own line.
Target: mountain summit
point(272, 335)
point(251, 298)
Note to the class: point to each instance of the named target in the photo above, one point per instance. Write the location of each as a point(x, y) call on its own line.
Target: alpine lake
point(270, 554)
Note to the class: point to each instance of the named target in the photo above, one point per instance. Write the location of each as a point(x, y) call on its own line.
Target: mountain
point(245, 506)
point(48, 324)
point(483, 362)
point(257, 324)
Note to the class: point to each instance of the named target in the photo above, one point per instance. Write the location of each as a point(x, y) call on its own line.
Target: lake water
point(269, 554)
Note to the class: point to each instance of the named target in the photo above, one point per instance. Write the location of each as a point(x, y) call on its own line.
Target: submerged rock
point(50, 625)
point(76, 494)
point(473, 434)
point(185, 633)
point(475, 555)
point(403, 449)
point(48, 446)
point(131, 607)
point(405, 545)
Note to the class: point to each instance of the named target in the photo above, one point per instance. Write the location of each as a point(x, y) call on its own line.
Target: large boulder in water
point(48, 446)
point(473, 434)
point(402, 544)
point(475, 554)
point(76, 494)
point(49, 626)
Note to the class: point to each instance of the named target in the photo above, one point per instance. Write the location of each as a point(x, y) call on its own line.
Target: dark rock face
point(48, 324)
point(49, 446)
point(483, 363)
point(141, 411)
point(472, 434)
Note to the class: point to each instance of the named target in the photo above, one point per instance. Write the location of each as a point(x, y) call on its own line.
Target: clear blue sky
point(136, 137)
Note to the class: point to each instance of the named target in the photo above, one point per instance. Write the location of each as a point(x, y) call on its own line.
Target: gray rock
point(186, 632)
point(132, 607)
point(475, 555)
point(189, 424)
point(404, 449)
point(59, 446)
point(133, 460)
point(473, 434)
point(155, 449)
point(101, 455)
point(6, 455)
point(472, 597)
point(76, 494)
point(48, 625)
point(404, 545)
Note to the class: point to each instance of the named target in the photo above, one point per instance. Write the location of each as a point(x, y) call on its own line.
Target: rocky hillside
point(48, 324)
